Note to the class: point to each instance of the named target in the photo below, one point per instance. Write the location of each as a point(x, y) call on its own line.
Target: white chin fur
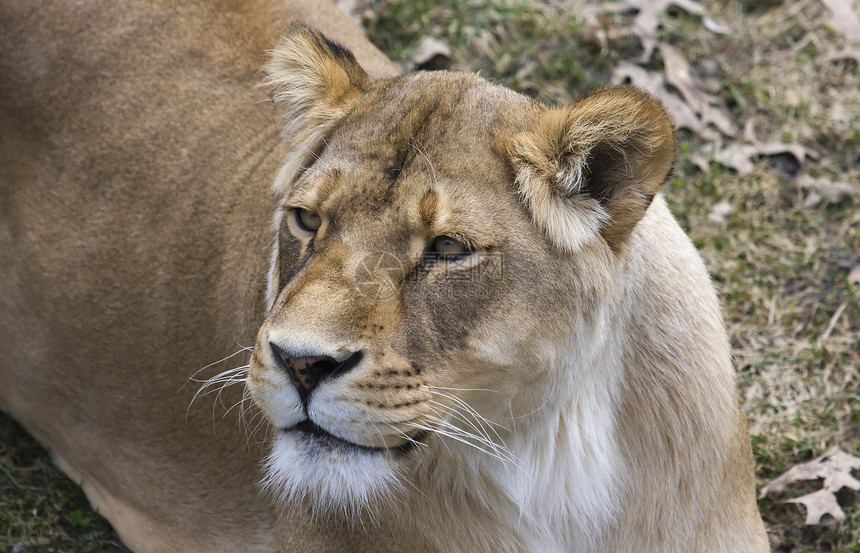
point(331, 477)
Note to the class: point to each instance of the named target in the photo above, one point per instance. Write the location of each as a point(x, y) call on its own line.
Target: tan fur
point(581, 341)
point(137, 152)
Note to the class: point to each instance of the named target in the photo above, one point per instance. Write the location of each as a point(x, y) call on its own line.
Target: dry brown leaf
point(645, 23)
point(854, 275)
point(798, 151)
point(701, 109)
point(741, 156)
point(845, 54)
point(714, 115)
point(835, 468)
point(431, 50)
point(817, 505)
point(773, 148)
point(684, 116)
point(737, 157)
point(597, 26)
point(716, 28)
point(680, 75)
point(824, 190)
point(844, 18)
point(721, 211)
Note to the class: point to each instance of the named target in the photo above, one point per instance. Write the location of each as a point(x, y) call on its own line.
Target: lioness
point(478, 328)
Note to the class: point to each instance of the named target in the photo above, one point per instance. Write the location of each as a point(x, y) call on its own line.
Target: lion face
point(397, 270)
point(434, 255)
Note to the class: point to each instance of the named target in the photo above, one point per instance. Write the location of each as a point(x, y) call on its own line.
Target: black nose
point(307, 373)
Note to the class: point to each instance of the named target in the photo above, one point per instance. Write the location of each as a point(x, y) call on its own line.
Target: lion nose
point(307, 372)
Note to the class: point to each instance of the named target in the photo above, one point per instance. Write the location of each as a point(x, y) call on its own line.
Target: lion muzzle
point(308, 372)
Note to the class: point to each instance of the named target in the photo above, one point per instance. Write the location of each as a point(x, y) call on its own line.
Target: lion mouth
point(314, 431)
point(311, 428)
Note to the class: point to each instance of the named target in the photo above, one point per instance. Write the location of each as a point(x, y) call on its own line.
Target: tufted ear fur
point(313, 83)
point(594, 166)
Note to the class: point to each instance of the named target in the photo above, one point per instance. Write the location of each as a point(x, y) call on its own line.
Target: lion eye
point(448, 247)
point(308, 220)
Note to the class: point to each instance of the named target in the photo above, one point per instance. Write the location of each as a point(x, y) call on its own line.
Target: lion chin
point(329, 474)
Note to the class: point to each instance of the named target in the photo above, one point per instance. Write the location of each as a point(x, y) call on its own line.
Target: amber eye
point(448, 247)
point(308, 220)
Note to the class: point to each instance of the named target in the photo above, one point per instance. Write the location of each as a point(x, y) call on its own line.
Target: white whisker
point(471, 410)
point(218, 383)
point(462, 418)
point(500, 452)
point(455, 434)
point(481, 420)
point(429, 387)
point(192, 379)
point(486, 441)
point(459, 410)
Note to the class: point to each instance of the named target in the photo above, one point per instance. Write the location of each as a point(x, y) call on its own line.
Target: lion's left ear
point(594, 166)
point(313, 83)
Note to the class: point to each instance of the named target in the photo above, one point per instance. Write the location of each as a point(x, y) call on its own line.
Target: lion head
point(452, 288)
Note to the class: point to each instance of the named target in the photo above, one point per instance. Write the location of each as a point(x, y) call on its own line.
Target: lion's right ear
point(593, 167)
point(313, 83)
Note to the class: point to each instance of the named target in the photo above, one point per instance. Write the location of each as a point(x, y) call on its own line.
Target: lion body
point(120, 124)
point(565, 386)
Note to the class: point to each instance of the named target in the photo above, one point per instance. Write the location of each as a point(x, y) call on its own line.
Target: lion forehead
point(420, 143)
point(423, 113)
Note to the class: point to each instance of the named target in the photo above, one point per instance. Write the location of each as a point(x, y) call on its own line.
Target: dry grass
point(40, 509)
point(781, 268)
